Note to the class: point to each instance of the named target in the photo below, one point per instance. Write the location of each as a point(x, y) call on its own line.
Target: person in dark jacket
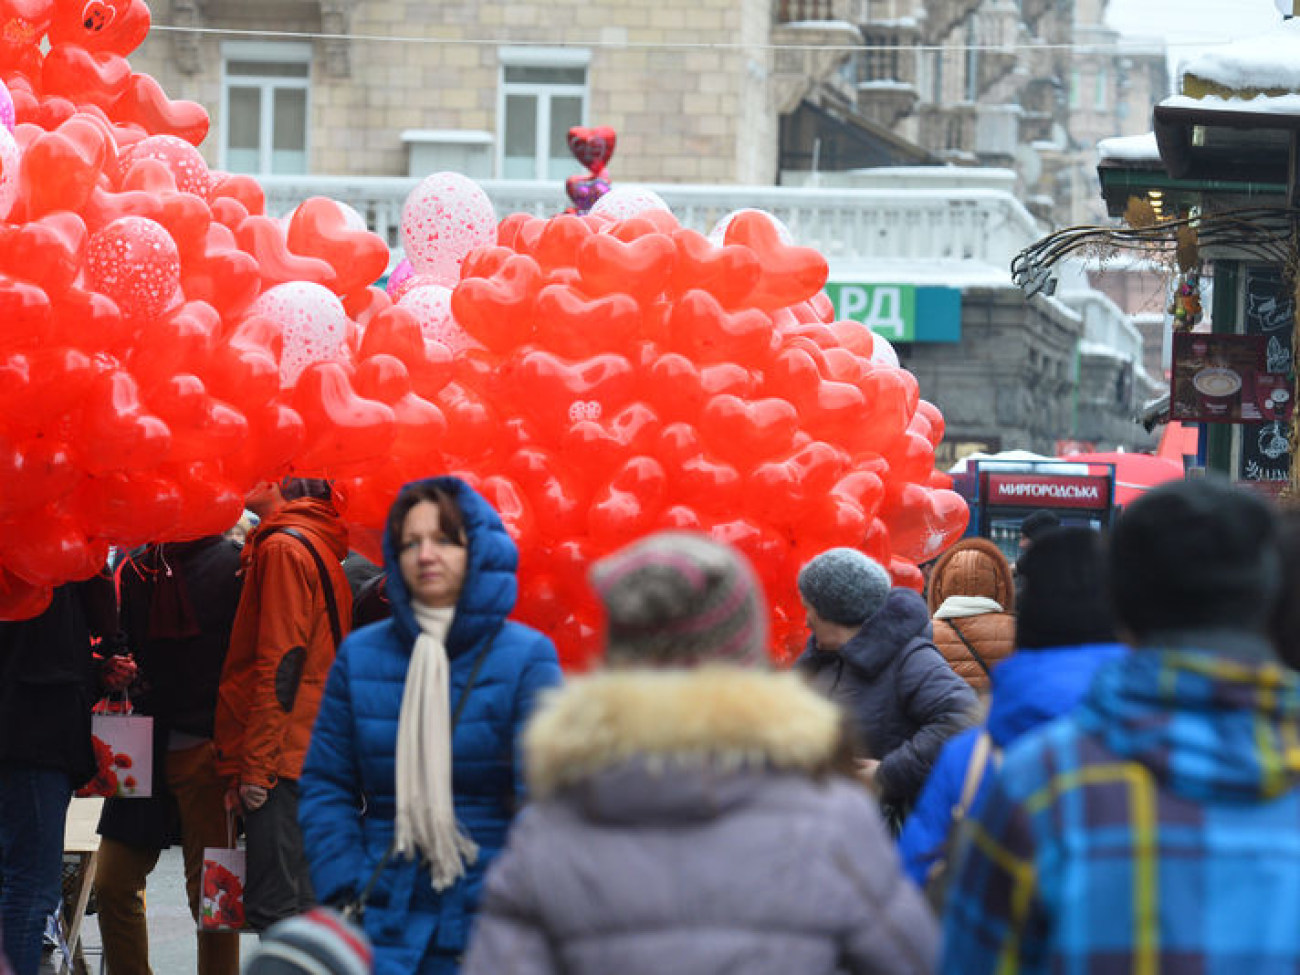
point(871, 650)
point(1156, 827)
point(49, 681)
point(178, 603)
point(691, 810)
point(1065, 632)
point(412, 777)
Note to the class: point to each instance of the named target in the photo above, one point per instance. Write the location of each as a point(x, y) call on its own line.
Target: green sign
point(900, 312)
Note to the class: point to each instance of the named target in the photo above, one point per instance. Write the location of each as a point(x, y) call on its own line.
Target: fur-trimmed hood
point(630, 723)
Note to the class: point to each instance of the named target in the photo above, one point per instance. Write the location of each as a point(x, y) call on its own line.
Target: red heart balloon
point(748, 432)
point(577, 327)
point(704, 330)
point(640, 268)
point(728, 273)
point(628, 505)
point(789, 274)
point(592, 147)
point(145, 103)
point(548, 388)
point(263, 238)
point(497, 310)
point(342, 428)
point(116, 433)
point(319, 229)
point(80, 76)
point(101, 25)
point(559, 243)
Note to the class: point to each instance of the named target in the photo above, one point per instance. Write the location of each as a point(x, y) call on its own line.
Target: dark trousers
point(278, 884)
point(33, 810)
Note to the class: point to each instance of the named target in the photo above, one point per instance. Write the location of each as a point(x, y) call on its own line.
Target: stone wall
point(683, 114)
point(1011, 379)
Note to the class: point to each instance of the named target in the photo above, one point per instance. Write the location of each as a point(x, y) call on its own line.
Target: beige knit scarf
point(426, 814)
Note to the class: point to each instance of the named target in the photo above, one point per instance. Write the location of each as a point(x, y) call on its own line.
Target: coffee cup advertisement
point(1223, 379)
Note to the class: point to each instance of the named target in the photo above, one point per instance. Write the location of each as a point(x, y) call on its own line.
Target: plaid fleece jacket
point(1156, 829)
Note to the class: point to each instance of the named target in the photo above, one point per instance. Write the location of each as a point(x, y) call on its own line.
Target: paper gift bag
point(223, 890)
point(124, 755)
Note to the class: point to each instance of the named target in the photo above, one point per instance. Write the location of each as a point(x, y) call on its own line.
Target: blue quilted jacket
point(348, 783)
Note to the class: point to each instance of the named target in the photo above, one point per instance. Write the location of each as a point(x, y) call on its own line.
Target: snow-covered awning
point(1269, 63)
point(1133, 149)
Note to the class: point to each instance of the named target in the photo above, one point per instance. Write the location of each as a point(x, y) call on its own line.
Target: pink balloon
point(444, 218)
point(8, 116)
point(11, 158)
point(312, 321)
point(431, 305)
point(399, 280)
point(135, 262)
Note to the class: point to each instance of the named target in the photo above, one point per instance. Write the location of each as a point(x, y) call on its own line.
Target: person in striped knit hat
point(693, 810)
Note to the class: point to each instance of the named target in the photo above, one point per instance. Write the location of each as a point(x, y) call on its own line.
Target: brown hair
point(451, 520)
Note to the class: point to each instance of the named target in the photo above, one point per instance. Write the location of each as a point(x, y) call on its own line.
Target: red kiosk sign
point(1050, 491)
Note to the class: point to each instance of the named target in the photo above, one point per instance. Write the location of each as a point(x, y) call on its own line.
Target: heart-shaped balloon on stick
point(592, 147)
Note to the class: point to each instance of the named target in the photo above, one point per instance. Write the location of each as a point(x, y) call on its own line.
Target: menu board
point(1270, 316)
point(1223, 379)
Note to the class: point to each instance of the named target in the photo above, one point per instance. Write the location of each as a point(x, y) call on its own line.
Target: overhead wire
point(1132, 46)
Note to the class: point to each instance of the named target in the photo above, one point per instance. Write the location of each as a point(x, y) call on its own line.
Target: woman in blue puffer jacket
point(401, 771)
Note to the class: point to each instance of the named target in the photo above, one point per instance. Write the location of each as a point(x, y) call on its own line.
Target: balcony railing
point(793, 11)
point(846, 225)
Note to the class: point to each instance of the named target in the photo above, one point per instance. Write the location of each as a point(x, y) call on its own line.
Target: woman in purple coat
point(694, 811)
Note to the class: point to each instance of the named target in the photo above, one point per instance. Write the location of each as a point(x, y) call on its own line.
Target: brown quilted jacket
point(971, 594)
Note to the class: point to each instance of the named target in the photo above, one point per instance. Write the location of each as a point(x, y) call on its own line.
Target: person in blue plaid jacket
point(1156, 828)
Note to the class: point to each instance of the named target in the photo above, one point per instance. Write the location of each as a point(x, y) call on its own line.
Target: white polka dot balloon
point(185, 163)
point(11, 158)
point(312, 322)
point(444, 218)
point(431, 305)
point(627, 201)
point(135, 262)
point(8, 115)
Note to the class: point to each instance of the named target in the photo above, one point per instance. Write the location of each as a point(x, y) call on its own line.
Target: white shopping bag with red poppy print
point(123, 745)
point(222, 907)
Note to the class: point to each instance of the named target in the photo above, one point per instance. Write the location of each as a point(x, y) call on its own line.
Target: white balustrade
point(847, 225)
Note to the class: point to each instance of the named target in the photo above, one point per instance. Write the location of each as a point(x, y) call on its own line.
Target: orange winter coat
point(281, 647)
point(971, 591)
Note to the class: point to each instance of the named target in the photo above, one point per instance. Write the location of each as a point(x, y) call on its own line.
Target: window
point(1102, 94)
point(264, 96)
point(543, 95)
point(1076, 85)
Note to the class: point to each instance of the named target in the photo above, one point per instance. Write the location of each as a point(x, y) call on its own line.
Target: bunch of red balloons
point(153, 319)
point(621, 375)
point(164, 344)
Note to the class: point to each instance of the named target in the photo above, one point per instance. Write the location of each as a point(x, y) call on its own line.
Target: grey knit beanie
point(676, 599)
point(844, 586)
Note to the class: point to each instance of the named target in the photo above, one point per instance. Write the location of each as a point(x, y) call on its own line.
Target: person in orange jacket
point(286, 632)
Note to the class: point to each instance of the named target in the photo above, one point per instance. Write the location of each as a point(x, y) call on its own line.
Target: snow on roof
point(1260, 104)
point(1129, 148)
point(1270, 60)
point(940, 273)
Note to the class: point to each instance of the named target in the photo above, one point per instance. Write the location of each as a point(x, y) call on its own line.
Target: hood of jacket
point(972, 567)
point(491, 586)
point(677, 745)
point(1033, 687)
point(1208, 728)
point(310, 515)
point(902, 619)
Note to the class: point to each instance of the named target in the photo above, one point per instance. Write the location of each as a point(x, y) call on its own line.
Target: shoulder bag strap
point(973, 652)
point(979, 760)
point(327, 586)
point(353, 908)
